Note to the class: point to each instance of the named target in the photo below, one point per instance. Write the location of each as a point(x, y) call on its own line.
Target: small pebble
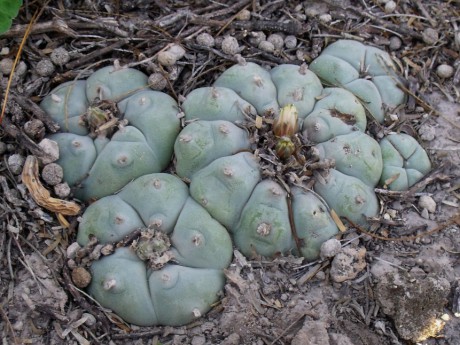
point(174, 72)
point(290, 41)
point(51, 150)
point(427, 202)
point(15, 163)
point(81, 277)
point(427, 132)
point(170, 56)
point(157, 81)
point(52, 174)
point(166, 58)
point(325, 18)
point(320, 275)
point(21, 69)
point(430, 36)
point(34, 129)
point(277, 41)
point(395, 43)
point(232, 339)
point(177, 50)
point(425, 240)
point(44, 68)
point(198, 340)
point(72, 250)
point(311, 11)
point(257, 37)
point(390, 7)
point(60, 56)
point(6, 66)
point(205, 39)
point(230, 45)
point(266, 46)
point(330, 248)
point(445, 71)
point(243, 15)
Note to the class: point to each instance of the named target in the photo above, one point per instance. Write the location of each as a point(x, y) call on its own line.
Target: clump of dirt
point(413, 304)
point(348, 263)
point(39, 299)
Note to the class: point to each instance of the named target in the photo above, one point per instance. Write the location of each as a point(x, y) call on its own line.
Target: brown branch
point(298, 241)
point(56, 25)
point(291, 27)
point(96, 54)
point(22, 138)
point(400, 28)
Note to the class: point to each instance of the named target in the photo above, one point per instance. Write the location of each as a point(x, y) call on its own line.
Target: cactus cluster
point(86, 110)
point(243, 170)
point(166, 280)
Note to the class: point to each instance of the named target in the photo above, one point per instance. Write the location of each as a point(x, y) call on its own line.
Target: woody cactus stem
point(284, 127)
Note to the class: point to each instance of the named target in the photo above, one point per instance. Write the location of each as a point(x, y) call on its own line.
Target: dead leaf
point(390, 180)
point(338, 221)
point(41, 195)
point(259, 121)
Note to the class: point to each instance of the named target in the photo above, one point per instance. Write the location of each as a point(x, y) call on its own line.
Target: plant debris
point(41, 195)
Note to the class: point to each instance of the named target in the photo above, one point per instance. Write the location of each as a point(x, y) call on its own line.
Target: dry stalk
point(41, 195)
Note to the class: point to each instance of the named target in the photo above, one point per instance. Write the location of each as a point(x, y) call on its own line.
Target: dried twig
point(401, 28)
point(292, 27)
point(16, 60)
point(96, 54)
point(56, 25)
point(9, 326)
point(27, 103)
point(453, 220)
point(436, 174)
point(41, 195)
point(83, 302)
point(22, 138)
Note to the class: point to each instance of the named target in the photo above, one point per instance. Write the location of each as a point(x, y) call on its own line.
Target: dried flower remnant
point(284, 127)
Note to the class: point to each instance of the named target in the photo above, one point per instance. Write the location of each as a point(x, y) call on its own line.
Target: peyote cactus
point(366, 71)
point(267, 155)
point(164, 293)
point(405, 161)
point(94, 165)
